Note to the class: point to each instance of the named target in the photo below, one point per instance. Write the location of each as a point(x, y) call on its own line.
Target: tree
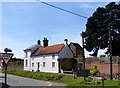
point(97, 29)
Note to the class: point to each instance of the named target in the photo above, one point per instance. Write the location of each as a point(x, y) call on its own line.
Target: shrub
point(89, 79)
point(94, 70)
point(10, 63)
point(53, 77)
point(67, 63)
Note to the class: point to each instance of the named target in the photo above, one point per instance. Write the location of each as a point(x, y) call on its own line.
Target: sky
point(23, 23)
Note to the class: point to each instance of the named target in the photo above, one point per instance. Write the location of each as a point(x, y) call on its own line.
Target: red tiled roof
point(49, 49)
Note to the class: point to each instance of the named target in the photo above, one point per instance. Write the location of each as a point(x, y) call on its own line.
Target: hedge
point(67, 63)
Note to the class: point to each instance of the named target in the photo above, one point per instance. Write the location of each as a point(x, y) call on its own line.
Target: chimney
point(66, 42)
point(38, 42)
point(45, 42)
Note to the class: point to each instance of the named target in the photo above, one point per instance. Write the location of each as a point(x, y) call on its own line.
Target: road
point(18, 81)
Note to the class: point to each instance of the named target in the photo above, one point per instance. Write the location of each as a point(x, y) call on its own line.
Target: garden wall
point(15, 67)
point(104, 67)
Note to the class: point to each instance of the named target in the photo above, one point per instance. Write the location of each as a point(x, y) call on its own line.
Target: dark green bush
point(67, 63)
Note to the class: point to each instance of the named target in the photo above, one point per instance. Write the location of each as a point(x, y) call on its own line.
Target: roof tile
point(49, 49)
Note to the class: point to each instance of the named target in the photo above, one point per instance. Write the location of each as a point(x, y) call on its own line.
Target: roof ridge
point(54, 45)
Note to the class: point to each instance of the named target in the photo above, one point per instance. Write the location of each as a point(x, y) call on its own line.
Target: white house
point(45, 59)
point(27, 55)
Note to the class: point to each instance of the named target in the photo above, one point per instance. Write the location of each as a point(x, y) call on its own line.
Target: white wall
point(48, 63)
point(65, 52)
point(28, 60)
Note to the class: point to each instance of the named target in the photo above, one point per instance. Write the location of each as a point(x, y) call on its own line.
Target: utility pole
point(110, 45)
point(83, 54)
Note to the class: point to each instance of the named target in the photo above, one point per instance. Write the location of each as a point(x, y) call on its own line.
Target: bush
point(94, 70)
point(67, 63)
point(89, 79)
point(10, 63)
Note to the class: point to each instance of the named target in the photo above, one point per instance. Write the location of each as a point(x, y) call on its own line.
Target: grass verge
point(61, 78)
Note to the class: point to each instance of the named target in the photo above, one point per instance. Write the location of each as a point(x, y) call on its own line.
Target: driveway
point(22, 82)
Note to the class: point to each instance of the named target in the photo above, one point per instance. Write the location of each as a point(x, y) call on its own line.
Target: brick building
point(76, 48)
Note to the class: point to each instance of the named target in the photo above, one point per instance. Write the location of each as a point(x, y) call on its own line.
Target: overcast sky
point(23, 23)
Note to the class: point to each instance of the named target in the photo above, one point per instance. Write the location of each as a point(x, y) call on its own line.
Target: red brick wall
point(16, 67)
point(73, 48)
point(77, 51)
point(104, 67)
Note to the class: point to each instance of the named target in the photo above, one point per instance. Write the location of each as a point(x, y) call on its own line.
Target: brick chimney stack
point(45, 42)
point(66, 42)
point(38, 42)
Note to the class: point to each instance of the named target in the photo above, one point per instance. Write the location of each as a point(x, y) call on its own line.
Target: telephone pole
point(110, 47)
point(83, 53)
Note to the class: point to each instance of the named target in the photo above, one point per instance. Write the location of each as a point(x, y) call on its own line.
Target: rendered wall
point(48, 63)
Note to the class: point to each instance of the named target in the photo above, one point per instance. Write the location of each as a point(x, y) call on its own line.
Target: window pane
point(53, 64)
point(43, 64)
point(26, 55)
point(26, 63)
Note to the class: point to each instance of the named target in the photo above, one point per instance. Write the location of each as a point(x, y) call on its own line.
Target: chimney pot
point(38, 42)
point(45, 42)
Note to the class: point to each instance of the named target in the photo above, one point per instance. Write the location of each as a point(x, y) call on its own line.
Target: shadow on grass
point(4, 86)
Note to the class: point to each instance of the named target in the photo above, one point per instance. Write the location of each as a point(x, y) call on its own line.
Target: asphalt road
point(17, 81)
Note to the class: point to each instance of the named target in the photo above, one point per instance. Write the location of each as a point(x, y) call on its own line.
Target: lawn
point(61, 78)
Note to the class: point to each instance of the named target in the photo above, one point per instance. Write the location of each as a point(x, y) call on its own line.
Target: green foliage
point(89, 79)
point(15, 63)
point(61, 78)
point(109, 83)
point(10, 63)
point(94, 67)
point(19, 62)
point(67, 63)
point(53, 77)
point(97, 29)
point(94, 70)
point(36, 75)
